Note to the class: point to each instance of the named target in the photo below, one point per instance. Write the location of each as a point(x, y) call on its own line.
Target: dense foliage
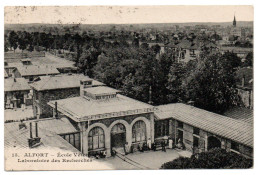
point(214, 159)
point(134, 67)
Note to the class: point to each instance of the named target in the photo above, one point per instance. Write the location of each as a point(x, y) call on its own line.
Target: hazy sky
point(127, 14)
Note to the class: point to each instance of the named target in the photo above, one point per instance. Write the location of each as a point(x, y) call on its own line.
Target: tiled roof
point(61, 82)
point(16, 84)
point(78, 108)
point(185, 44)
point(241, 113)
point(233, 129)
point(37, 70)
point(101, 90)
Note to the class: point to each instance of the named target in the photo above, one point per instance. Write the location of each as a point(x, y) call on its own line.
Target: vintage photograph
point(128, 87)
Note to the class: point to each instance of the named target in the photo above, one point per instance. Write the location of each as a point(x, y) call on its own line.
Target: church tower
point(234, 22)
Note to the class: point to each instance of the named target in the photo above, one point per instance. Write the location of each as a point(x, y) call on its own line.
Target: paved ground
point(145, 160)
point(18, 114)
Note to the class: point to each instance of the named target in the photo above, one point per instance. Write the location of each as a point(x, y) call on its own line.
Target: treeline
point(134, 68)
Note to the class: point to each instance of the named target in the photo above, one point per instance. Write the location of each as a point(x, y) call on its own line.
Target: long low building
point(201, 130)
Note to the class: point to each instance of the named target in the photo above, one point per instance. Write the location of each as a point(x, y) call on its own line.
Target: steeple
point(234, 22)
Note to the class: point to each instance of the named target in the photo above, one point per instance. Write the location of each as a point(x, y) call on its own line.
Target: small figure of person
point(180, 144)
point(126, 148)
point(153, 147)
point(163, 146)
point(149, 144)
point(140, 146)
point(170, 143)
point(113, 153)
point(103, 154)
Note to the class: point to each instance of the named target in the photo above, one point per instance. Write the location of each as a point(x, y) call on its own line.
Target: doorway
point(118, 136)
point(213, 142)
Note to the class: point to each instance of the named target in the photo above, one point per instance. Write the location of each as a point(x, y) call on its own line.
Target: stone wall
point(45, 96)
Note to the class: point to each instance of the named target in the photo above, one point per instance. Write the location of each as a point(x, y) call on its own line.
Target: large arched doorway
point(118, 136)
point(139, 132)
point(213, 142)
point(96, 139)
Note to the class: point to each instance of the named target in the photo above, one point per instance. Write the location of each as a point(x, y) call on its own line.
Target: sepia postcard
point(128, 87)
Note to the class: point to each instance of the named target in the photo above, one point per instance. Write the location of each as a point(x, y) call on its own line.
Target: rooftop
point(49, 130)
point(185, 44)
point(237, 49)
point(230, 128)
point(83, 109)
point(16, 84)
point(37, 70)
point(61, 81)
point(101, 90)
point(241, 113)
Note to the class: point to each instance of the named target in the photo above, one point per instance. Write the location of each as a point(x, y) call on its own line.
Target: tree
point(132, 71)
point(216, 158)
point(23, 40)
point(211, 85)
point(13, 40)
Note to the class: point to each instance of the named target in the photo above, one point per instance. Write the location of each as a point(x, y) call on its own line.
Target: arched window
point(96, 138)
point(139, 131)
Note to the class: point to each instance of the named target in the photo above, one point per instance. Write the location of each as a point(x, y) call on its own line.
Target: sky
point(126, 14)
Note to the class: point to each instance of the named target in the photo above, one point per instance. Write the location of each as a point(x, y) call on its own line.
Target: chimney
point(36, 129)
point(243, 81)
point(56, 110)
point(31, 136)
point(34, 141)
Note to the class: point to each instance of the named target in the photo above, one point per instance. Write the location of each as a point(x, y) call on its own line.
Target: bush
point(213, 159)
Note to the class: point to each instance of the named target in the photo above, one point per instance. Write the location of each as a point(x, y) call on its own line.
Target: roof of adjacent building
point(247, 73)
point(61, 81)
point(82, 108)
point(37, 70)
point(16, 84)
point(48, 130)
point(185, 44)
point(230, 128)
point(101, 90)
point(237, 49)
point(241, 113)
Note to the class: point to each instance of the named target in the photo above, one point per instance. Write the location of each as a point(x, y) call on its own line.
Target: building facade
point(107, 120)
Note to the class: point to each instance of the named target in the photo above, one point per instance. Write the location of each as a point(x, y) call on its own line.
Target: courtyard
point(144, 160)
